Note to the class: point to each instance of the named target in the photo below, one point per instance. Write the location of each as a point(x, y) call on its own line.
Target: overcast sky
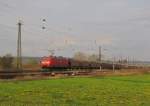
point(121, 27)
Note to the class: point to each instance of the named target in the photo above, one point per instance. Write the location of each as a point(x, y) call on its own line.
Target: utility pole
point(100, 54)
point(100, 57)
point(19, 55)
point(114, 61)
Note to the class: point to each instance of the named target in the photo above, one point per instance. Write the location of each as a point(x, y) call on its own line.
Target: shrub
point(6, 61)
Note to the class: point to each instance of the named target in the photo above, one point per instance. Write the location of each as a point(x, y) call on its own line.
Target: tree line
point(9, 62)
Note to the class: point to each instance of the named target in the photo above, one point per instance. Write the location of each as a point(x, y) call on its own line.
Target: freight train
point(53, 62)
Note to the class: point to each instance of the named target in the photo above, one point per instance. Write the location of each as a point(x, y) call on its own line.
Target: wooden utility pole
point(19, 49)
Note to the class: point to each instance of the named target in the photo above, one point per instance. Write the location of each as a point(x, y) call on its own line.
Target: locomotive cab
point(54, 62)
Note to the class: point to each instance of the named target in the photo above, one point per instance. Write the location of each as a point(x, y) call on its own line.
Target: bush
point(6, 61)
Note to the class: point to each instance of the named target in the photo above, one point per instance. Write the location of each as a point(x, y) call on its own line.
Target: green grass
point(96, 91)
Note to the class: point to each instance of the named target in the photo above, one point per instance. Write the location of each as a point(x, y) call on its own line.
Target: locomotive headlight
point(48, 62)
point(45, 62)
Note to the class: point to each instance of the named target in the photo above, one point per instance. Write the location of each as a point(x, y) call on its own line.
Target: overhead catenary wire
point(35, 29)
point(66, 42)
point(6, 5)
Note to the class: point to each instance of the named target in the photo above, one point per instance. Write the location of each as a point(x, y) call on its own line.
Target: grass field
point(96, 91)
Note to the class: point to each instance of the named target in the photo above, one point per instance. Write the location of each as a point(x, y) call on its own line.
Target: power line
point(8, 26)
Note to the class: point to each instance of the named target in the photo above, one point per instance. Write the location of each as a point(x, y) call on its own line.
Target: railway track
point(38, 74)
point(7, 74)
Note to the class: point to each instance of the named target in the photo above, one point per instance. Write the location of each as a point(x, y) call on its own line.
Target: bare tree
point(93, 57)
point(80, 56)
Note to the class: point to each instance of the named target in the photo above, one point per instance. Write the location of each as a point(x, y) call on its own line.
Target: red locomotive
point(53, 62)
